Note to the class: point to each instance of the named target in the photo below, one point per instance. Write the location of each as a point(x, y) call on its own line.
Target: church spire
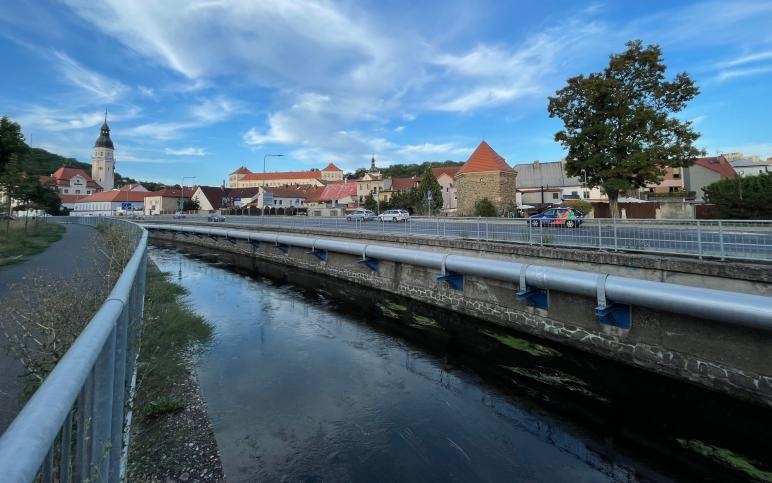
point(104, 141)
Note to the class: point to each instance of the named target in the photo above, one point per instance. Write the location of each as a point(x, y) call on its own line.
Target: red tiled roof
point(167, 193)
point(719, 164)
point(332, 167)
point(242, 170)
point(67, 173)
point(287, 191)
point(114, 195)
point(449, 170)
point(338, 191)
point(484, 158)
point(70, 198)
point(403, 184)
point(283, 175)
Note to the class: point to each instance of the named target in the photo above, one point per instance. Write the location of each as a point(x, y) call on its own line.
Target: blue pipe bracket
point(320, 254)
point(455, 280)
point(255, 243)
point(282, 247)
point(371, 263)
point(533, 297)
point(611, 313)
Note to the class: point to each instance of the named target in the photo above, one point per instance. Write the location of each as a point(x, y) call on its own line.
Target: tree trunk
point(613, 203)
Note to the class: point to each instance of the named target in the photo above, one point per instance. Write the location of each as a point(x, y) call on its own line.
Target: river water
point(312, 379)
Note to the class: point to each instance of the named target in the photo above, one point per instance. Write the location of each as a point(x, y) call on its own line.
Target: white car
point(394, 215)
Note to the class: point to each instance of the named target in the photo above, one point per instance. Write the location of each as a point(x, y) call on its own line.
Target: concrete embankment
point(723, 357)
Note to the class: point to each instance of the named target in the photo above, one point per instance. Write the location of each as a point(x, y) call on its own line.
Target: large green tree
point(619, 124)
point(11, 141)
point(428, 184)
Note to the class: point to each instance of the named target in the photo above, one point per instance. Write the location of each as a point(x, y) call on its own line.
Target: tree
point(428, 184)
point(370, 203)
point(484, 207)
point(619, 127)
point(743, 198)
point(11, 141)
point(191, 205)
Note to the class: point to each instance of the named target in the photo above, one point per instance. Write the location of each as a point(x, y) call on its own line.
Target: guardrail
point(720, 239)
point(723, 306)
point(86, 394)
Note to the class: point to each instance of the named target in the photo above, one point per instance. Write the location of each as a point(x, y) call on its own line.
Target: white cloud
point(399, 128)
point(735, 73)
point(214, 110)
point(190, 151)
point(162, 131)
point(745, 59)
point(429, 149)
point(101, 87)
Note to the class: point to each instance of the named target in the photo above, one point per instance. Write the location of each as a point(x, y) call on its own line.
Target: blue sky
point(198, 88)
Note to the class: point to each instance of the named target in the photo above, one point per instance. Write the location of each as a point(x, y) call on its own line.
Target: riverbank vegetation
point(18, 242)
point(172, 437)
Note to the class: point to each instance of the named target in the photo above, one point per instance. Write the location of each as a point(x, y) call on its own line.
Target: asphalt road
point(735, 240)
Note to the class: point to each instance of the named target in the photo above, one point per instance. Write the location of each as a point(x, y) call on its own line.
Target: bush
point(584, 206)
point(484, 207)
point(742, 198)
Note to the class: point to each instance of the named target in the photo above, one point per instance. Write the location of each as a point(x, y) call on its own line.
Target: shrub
point(484, 207)
point(742, 198)
point(584, 206)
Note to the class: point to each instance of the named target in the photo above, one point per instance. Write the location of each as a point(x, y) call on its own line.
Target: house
point(165, 201)
point(750, 167)
point(704, 172)
point(445, 177)
point(71, 181)
point(541, 183)
point(485, 175)
point(109, 203)
point(338, 194)
point(371, 183)
point(399, 185)
point(244, 178)
point(214, 198)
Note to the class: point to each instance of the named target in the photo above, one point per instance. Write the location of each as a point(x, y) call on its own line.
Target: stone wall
point(497, 186)
point(728, 359)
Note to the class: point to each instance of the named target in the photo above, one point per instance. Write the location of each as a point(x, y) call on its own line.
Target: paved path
point(71, 259)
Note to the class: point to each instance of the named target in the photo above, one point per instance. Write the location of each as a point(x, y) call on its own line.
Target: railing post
point(83, 442)
point(616, 239)
point(119, 385)
point(721, 239)
point(600, 234)
point(699, 240)
point(64, 460)
point(104, 371)
point(530, 232)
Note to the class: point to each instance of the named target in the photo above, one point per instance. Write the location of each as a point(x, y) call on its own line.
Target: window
point(77, 192)
point(555, 196)
point(677, 174)
point(447, 190)
point(66, 190)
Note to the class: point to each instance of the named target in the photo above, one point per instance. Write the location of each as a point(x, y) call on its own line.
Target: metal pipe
point(734, 308)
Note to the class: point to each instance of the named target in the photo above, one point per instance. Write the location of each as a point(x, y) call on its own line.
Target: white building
point(548, 183)
point(750, 167)
point(110, 203)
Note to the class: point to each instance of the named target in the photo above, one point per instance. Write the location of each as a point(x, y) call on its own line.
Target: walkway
point(71, 259)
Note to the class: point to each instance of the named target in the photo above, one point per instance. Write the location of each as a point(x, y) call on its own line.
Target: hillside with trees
point(405, 170)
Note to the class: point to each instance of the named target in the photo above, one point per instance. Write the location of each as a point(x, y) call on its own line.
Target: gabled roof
point(312, 193)
point(242, 170)
point(167, 193)
point(747, 163)
point(718, 164)
point(483, 159)
point(70, 198)
point(133, 187)
point(403, 184)
point(448, 170)
point(115, 196)
point(338, 191)
point(537, 174)
point(286, 191)
point(65, 173)
point(332, 167)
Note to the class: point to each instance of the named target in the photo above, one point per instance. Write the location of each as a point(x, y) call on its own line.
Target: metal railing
point(719, 239)
point(722, 306)
point(72, 429)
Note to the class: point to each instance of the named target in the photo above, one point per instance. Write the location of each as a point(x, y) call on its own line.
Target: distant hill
point(405, 170)
point(39, 162)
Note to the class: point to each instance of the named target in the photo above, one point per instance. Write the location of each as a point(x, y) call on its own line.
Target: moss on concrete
point(523, 345)
point(727, 458)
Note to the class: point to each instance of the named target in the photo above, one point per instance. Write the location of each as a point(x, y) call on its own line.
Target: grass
point(171, 333)
point(523, 345)
point(727, 458)
point(16, 245)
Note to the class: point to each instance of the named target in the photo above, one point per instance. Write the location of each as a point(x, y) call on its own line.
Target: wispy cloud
point(735, 73)
point(190, 151)
point(101, 87)
point(214, 110)
point(745, 59)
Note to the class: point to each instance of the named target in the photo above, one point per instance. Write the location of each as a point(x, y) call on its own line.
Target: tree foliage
point(619, 126)
point(582, 205)
point(428, 184)
point(742, 197)
point(11, 142)
point(484, 207)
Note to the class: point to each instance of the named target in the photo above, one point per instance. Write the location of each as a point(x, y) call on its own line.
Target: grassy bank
point(16, 244)
point(172, 434)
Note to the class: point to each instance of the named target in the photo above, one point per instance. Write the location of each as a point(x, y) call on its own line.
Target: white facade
point(104, 208)
point(103, 167)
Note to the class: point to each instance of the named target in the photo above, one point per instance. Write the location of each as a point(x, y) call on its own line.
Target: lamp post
point(584, 172)
point(265, 156)
point(182, 190)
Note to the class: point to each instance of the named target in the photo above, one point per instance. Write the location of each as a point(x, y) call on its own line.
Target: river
point(313, 379)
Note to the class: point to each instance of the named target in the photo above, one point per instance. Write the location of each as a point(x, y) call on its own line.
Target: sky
point(201, 87)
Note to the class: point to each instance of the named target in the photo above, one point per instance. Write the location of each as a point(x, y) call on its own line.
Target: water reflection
point(313, 382)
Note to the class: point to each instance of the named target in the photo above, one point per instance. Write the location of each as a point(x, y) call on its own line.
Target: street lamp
point(182, 190)
point(584, 172)
point(265, 156)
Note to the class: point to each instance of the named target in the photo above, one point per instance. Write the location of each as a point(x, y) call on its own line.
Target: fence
point(72, 429)
point(721, 239)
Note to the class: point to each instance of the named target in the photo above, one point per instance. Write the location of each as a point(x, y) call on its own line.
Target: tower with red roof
point(485, 175)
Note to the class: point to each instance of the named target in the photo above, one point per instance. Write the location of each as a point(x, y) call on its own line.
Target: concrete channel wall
point(726, 358)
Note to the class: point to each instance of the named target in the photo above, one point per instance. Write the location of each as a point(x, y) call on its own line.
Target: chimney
point(536, 164)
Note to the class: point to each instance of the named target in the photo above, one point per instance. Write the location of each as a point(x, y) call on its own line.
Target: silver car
point(361, 215)
point(394, 215)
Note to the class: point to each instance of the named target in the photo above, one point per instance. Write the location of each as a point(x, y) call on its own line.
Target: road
point(729, 240)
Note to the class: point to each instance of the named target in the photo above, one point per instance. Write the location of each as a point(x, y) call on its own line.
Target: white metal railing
point(72, 429)
point(720, 239)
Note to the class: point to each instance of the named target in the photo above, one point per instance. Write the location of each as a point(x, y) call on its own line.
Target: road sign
point(126, 205)
point(429, 195)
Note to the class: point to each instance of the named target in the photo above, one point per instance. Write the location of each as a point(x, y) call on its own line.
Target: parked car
point(362, 215)
point(394, 215)
point(567, 217)
point(215, 217)
point(179, 215)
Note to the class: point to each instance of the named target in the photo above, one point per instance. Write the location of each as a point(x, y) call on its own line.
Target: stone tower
point(485, 175)
point(102, 160)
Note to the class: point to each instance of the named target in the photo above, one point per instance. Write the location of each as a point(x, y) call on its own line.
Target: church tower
point(102, 160)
